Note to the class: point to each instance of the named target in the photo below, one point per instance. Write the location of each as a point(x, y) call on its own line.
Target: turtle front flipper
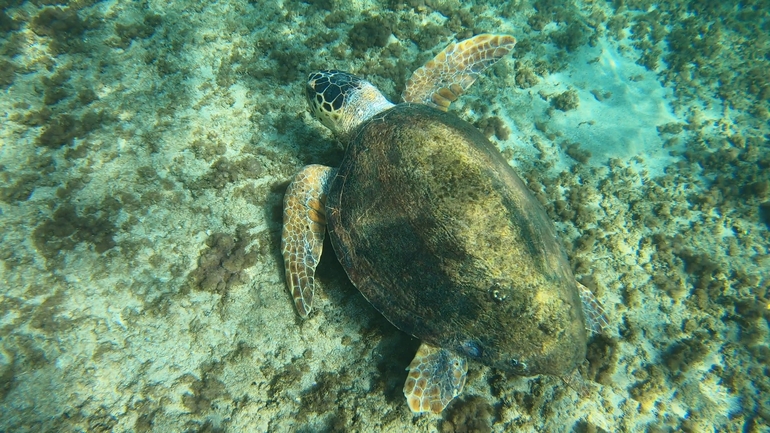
point(596, 318)
point(442, 80)
point(304, 226)
point(436, 376)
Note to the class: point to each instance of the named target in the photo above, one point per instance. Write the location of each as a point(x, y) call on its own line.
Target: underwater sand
point(145, 148)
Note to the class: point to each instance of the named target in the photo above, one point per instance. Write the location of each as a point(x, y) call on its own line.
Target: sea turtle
point(436, 230)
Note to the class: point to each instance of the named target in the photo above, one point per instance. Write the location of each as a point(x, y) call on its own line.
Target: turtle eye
point(310, 92)
point(518, 366)
point(497, 293)
point(472, 349)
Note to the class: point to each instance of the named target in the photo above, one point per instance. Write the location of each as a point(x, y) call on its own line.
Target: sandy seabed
point(145, 148)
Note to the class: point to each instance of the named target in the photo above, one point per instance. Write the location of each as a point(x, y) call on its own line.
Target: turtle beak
point(310, 94)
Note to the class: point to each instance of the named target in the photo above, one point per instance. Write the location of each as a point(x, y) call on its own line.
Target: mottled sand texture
point(145, 148)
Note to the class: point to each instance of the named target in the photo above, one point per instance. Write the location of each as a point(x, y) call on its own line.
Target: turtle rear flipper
point(436, 376)
point(442, 80)
point(304, 226)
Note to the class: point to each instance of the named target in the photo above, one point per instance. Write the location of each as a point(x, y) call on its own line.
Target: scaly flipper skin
point(304, 226)
point(596, 318)
point(436, 376)
point(442, 80)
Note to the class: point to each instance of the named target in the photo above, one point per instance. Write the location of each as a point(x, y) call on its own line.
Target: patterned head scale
point(342, 101)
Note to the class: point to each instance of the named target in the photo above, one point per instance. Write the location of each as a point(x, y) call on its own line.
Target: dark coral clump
point(58, 23)
point(602, 358)
point(764, 214)
point(371, 33)
point(7, 73)
point(223, 263)
point(20, 190)
point(471, 415)
point(67, 228)
point(576, 152)
point(327, 396)
point(326, 5)
point(7, 24)
point(224, 172)
point(62, 130)
point(63, 26)
point(584, 426)
point(490, 126)
point(205, 390)
point(526, 78)
point(132, 31)
point(566, 101)
point(572, 37)
point(682, 355)
point(55, 87)
point(288, 60)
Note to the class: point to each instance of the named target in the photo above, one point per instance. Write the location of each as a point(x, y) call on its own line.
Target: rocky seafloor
point(145, 147)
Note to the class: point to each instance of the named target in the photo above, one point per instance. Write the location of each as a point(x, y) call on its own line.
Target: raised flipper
point(304, 227)
point(442, 80)
point(596, 318)
point(436, 376)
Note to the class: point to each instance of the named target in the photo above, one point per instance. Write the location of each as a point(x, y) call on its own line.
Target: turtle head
point(342, 101)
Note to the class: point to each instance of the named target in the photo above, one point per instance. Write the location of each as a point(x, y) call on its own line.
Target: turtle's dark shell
point(437, 231)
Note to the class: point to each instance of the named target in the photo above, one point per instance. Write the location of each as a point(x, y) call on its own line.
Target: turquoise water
point(145, 148)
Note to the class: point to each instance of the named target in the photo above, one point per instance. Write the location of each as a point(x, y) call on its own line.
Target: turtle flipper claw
point(436, 376)
point(304, 226)
point(442, 80)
